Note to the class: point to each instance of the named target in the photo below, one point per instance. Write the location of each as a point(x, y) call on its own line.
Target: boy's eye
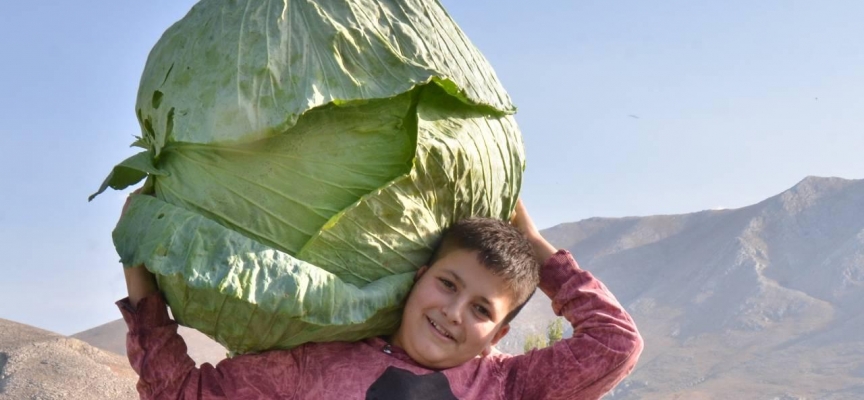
point(447, 284)
point(483, 311)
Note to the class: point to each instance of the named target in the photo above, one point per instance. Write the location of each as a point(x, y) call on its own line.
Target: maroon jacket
point(603, 350)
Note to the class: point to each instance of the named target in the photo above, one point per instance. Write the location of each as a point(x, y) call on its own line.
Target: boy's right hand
point(128, 201)
point(522, 221)
point(139, 281)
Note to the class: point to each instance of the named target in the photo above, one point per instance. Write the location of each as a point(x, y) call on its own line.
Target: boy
point(460, 306)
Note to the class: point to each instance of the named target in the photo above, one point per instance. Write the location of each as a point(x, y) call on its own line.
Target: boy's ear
point(420, 272)
point(501, 333)
point(495, 339)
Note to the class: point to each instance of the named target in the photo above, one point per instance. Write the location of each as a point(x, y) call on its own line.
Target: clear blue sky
point(627, 108)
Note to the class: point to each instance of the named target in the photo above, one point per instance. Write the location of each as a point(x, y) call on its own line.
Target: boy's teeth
point(438, 328)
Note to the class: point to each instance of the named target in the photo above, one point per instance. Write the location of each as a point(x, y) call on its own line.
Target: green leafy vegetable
point(305, 157)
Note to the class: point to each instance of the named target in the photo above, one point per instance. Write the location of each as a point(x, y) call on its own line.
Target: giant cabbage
point(304, 158)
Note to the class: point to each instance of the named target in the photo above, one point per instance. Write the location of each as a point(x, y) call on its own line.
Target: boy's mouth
point(440, 330)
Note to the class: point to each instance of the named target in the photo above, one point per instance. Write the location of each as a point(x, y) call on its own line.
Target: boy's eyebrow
point(461, 282)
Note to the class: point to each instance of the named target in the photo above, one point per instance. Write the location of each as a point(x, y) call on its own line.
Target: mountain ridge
point(716, 293)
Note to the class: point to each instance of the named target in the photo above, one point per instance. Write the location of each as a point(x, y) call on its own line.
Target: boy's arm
point(140, 283)
point(159, 355)
point(605, 344)
point(154, 348)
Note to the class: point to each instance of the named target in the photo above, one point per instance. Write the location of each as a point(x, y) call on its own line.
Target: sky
point(626, 108)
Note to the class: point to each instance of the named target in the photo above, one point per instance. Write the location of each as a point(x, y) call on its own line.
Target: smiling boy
point(461, 305)
point(481, 274)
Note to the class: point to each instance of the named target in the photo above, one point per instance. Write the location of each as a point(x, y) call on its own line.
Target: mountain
point(37, 364)
point(759, 302)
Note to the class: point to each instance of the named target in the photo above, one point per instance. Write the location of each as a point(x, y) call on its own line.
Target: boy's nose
point(453, 312)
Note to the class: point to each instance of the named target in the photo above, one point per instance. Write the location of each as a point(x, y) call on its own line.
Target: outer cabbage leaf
point(277, 59)
point(129, 172)
point(244, 294)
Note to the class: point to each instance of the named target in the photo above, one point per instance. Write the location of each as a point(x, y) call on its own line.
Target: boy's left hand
point(522, 221)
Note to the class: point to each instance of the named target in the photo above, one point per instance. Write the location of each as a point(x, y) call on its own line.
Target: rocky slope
point(37, 364)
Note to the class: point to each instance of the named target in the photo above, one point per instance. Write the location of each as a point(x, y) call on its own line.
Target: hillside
point(753, 303)
point(37, 364)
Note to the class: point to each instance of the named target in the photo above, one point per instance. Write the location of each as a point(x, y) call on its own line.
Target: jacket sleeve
point(158, 354)
point(604, 347)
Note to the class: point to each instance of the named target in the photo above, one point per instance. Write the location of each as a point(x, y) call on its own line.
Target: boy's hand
point(128, 201)
point(522, 221)
point(139, 281)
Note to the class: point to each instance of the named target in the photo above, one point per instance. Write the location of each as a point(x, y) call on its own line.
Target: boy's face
point(454, 312)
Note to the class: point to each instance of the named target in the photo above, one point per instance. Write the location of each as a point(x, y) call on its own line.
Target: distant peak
point(818, 184)
point(825, 180)
point(806, 192)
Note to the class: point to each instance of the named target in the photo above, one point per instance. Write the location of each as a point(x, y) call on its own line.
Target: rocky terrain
point(37, 364)
point(41, 365)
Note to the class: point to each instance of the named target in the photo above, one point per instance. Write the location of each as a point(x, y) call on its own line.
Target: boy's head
point(501, 249)
point(479, 277)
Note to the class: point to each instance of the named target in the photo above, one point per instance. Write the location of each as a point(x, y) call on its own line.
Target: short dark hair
point(501, 248)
